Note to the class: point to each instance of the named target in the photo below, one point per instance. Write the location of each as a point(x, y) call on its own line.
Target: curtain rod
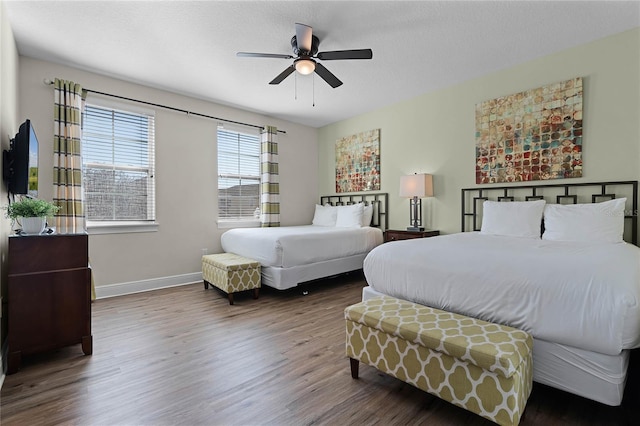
point(50, 82)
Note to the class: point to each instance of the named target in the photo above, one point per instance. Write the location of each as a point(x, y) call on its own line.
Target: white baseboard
point(120, 289)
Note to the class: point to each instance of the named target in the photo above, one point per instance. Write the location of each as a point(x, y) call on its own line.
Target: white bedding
point(292, 246)
point(585, 295)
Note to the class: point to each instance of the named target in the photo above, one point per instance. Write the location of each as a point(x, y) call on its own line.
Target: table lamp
point(415, 187)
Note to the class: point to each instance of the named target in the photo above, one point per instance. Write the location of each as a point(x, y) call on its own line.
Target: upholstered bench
point(231, 273)
point(482, 367)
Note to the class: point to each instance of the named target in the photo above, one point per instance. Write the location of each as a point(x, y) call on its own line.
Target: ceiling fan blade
point(303, 36)
point(346, 54)
point(284, 74)
point(327, 76)
point(263, 55)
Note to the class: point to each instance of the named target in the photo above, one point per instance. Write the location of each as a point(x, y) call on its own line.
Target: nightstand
point(396, 235)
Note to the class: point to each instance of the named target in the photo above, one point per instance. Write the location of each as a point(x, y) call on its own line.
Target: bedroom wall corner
point(435, 132)
point(186, 179)
point(8, 126)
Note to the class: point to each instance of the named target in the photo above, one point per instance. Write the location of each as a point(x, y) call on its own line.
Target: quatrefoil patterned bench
point(482, 367)
point(231, 273)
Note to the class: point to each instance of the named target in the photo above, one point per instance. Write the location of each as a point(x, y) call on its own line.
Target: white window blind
point(238, 175)
point(118, 164)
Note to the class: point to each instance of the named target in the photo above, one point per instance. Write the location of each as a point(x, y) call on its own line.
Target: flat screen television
point(20, 162)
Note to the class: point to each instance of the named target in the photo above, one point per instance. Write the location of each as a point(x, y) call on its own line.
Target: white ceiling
point(189, 47)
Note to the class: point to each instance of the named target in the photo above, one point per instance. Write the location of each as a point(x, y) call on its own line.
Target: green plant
point(31, 207)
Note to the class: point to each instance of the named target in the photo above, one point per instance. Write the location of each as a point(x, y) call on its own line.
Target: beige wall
point(435, 133)
point(8, 126)
point(185, 175)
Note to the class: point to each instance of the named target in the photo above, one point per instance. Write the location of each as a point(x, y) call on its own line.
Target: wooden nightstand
point(396, 235)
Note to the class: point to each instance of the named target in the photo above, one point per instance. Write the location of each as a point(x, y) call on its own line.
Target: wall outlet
point(205, 251)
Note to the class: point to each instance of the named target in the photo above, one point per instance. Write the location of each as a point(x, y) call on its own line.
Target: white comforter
point(584, 295)
point(299, 245)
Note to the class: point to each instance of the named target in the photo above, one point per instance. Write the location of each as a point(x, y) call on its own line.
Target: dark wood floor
point(184, 356)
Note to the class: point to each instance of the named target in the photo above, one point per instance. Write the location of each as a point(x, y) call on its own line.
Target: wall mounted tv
point(20, 162)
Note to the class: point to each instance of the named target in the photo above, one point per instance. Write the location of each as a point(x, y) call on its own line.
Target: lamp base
point(415, 228)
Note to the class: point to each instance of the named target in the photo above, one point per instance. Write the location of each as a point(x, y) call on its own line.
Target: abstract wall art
point(358, 162)
point(531, 135)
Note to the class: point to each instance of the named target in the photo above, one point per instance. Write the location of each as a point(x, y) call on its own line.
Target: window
point(238, 175)
point(118, 164)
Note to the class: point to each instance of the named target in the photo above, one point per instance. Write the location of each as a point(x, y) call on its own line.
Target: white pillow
point(600, 222)
point(350, 216)
point(512, 218)
point(325, 216)
point(367, 215)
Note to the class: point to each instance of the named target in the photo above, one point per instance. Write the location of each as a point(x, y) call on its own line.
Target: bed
point(576, 292)
point(293, 255)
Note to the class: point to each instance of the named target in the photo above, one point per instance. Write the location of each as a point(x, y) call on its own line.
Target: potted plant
point(32, 212)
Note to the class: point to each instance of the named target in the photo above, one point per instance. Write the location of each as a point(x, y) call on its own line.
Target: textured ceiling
point(189, 47)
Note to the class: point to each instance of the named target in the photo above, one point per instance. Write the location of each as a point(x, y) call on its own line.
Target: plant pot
point(33, 225)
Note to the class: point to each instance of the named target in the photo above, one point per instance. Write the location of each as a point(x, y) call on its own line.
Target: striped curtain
point(269, 182)
point(67, 162)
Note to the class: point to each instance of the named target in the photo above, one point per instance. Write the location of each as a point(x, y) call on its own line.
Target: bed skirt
point(588, 374)
point(284, 278)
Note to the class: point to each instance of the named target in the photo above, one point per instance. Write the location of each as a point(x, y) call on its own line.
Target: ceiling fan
point(305, 47)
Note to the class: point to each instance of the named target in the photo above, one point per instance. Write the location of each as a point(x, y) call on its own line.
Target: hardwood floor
point(185, 356)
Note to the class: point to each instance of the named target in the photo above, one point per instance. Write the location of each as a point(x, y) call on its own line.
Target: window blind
point(238, 175)
point(118, 164)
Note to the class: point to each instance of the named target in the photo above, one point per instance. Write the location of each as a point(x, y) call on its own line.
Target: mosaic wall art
point(358, 162)
point(531, 135)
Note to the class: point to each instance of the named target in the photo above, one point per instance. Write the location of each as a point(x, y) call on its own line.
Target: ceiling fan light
point(305, 66)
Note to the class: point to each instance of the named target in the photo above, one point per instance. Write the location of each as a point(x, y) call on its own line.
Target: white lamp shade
point(418, 185)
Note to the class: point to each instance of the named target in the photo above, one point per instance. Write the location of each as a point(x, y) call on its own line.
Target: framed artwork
point(358, 162)
point(531, 135)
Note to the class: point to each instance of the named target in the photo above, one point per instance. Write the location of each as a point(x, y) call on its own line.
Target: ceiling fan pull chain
point(314, 90)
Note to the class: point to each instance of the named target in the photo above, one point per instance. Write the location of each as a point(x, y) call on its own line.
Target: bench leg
point(231, 298)
point(256, 293)
point(206, 284)
point(354, 367)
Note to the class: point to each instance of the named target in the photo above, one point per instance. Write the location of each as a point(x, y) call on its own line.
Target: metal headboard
point(379, 200)
point(561, 193)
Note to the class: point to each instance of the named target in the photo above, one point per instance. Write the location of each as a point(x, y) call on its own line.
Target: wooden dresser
point(48, 295)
